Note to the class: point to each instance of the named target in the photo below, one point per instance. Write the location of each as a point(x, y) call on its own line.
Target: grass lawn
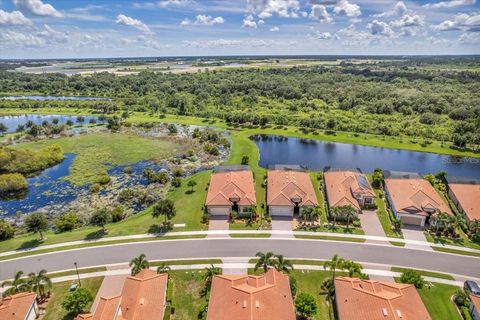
point(299, 236)
point(242, 235)
point(244, 226)
point(464, 253)
point(319, 194)
point(54, 310)
point(438, 303)
point(97, 152)
point(384, 218)
point(187, 299)
point(425, 273)
point(73, 272)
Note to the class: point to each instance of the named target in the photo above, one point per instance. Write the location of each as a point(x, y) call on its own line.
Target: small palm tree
point(282, 264)
point(474, 227)
point(397, 225)
point(334, 213)
point(210, 272)
point(139, 263)
point(352, 267)
point(335, 263)
point(349, 213)
point(457, 222)
point(17, 285)
point(265, 261)
point(163, 268)
point(39, 282)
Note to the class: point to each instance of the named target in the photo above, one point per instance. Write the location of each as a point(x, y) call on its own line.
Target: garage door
point(416, 221)
point(219, 211)
point(280, 211)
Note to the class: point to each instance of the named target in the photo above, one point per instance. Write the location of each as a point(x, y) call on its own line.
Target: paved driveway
point(415, 233)
point(282, 224)
point(371, 225)
point(218, 223)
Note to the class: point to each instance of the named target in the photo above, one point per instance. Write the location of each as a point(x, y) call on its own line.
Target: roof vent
point(244, 304)
point(385, 312)
point(257, 304)
point(399, 314)
point(142, 301)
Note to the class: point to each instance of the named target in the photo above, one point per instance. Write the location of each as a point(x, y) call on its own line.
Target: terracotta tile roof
point(225, 186)
point(265, 297)
point(342, 185)
point(285, 185)
point(476, 301)
point(377, 300)
point(413, 196)
point(16, 307)
point(468, 195)
point(142, 297)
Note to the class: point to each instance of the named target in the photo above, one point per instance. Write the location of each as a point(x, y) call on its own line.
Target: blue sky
point(121, 28)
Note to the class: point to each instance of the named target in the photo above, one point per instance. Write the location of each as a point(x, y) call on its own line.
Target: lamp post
point(78, 275)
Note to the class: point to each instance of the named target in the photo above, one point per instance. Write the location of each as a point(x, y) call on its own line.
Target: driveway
point(218, 223)
point(282, 224)
point(371, 225)
point(111, 286)
point(415, 233)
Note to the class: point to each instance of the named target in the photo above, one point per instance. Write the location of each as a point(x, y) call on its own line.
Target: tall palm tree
point(352, 267)
point(39, 282)
point(335, 263)
point(282, 264)
point(139, 263)
point(334, 213)
point(265, 261)
point(18, 284)
point(349, 213)
point(163, 268)
point(210, 272)
point(456, 222)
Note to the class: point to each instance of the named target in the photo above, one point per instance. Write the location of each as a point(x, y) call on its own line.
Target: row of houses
point(411, 198)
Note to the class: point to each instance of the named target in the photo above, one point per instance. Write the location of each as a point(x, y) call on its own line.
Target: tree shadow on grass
point(189, 191)
point(160, 228)
point(95, 235)
point(30, 244)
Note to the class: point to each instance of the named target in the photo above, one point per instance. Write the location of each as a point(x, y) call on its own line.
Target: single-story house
point(412, 199)
point(231, 188)
point(465, 194)
point(20, 306)
point(345, 187)
point(358, 299)
point(247, 297)
point(475, 307)
point(142, 297)
point(288, 191)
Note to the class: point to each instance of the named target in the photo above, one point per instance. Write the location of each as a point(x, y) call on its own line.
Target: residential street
point(217, 248)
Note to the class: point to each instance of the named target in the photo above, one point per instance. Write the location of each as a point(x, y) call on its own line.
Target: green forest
point(423, 100)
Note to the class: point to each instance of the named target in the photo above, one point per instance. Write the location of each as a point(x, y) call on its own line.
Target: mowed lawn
point(187, 298)
point(97, 152)
point(438, 301)
point(54, 310)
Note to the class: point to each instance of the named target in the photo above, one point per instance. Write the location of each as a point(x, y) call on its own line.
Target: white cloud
point(462, 21)
point(345, 8)
point(399, 9)
point(409, 21)
point(202, 19)
point(128, 21)
point(19, 39)
point(323, 35)
point(450, 4)
point(53, 36)
point(470, 38)
point(380, 28)
point(319, 12)
point(249, 22)
point(37, 7)
point(274, 29)
point(243, 43)
point(13, 18)
point(167, 3)
point(267, 8)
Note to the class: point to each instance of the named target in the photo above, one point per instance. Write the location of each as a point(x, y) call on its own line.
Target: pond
point(12, 121)
point(50, 98)
point(316, 155)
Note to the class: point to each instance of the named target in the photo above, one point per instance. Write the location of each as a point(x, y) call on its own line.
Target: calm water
point(318, 154)
point(12, 121)
point(49, 98)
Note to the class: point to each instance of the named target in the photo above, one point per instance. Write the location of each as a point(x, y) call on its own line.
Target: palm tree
point(209, 274)
point(441, 221)
point(334, 213)
point(18, 284)
point(352, 267)
point(335, 263)
point(282, 264)
point(456, 222)
point(163, 268)
point(139, 263)
point(39, 282)
point(265, 261)
point(397, 225)
point(349, 212)
point(474, 227)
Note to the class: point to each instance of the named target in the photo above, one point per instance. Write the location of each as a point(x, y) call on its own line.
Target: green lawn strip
point(243, 226)
point(461, 252)
point(73, 272)
point(463, 241)
point(99, 244)
point(437, 300)
point(397, 244)
point(187, 299)
point(99, 151)
point(384, 218)
point(424, 273)
point(256, 235)
point(319, 194)
point(54, 310)
point(184, 262)
point(319, 237)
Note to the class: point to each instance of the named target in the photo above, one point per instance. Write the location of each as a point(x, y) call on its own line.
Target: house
point(345, 187)
point(20, 306)
point(358, 299)
point(266, 297)
point(412, 198)
point(142, 297)
point(288, 191)
point(475, 307)
point(231, 188)
point(465, 194)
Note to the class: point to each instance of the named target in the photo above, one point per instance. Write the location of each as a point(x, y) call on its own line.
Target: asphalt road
point(213, 248)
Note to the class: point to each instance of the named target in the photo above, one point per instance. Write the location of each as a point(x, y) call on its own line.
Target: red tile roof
point(342, 185)
point(226, 186)
point(285, 185)
point(265, 297)
point(17, 306)
point(468, 195)
point(377, 300)
point(476, 301)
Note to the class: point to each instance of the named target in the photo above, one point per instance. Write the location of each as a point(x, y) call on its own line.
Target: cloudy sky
point(121, 28)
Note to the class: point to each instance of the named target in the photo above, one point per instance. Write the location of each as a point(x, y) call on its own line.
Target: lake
point(316, 155)
point(12, 121)
point(50, 98)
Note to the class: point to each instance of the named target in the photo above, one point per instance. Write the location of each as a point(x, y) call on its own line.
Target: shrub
point(118, 213)
point(461, 299)
point(176, 182)
point(66, 222)
point(12, 182)
point(103, 179)
point(293, 285)
point(100, 218)
point(172, 128)
point(36, 222)
point(95, 188)
point(28, 161)
point(245, 160)
point(465, 313)
point(126, 194)
point(75, 302)
point(306, 305)
point(412, 277)
point(7, 231)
